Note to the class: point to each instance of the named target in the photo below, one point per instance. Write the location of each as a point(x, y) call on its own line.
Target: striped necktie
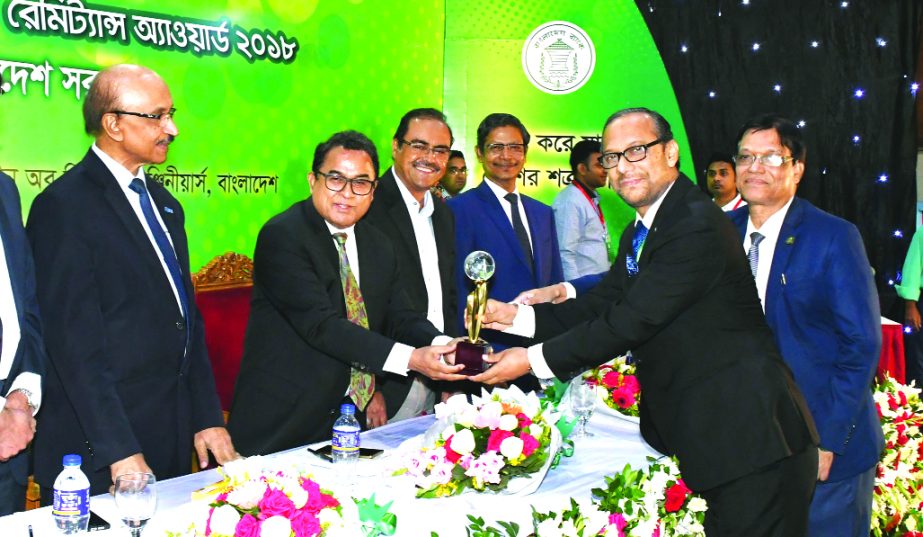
point(753, 254)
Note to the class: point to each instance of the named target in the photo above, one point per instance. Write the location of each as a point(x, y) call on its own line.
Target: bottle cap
point(72, 460)
point(348, 408)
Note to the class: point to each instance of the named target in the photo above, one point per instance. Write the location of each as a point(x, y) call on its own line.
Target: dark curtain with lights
point(843, 70)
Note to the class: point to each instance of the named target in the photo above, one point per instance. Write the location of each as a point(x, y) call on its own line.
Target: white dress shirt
point(524, 321)
point(124, 179)
point(770, 232)
point(735, 203)
point(508, 207)
point(11, 337)
point(422, 220)
point(399, 357)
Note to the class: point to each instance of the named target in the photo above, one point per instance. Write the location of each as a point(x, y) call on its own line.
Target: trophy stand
point(479, 267)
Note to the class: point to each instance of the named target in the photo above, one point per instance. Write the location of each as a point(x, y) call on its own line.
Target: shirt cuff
point(523, 323)
point(570, 290)
point(441, 340)
point(537, 361)
point(398, 359)
point(31, 383)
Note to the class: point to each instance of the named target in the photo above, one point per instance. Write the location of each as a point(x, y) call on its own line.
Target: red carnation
point(524, 420)
point(612, 379)
point(529, 443)
point(497, 436)
point(676, 497)
point(450, 453)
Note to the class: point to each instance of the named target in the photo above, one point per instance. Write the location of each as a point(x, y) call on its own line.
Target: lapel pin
point(790, 240)
point(168, 210)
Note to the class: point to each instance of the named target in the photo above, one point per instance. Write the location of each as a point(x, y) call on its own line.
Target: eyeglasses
point(423, 148)
point(632, 154)
point(161, 117)
point(497, 149)
point(772, 160)
point(361, 186)
point(453, 170)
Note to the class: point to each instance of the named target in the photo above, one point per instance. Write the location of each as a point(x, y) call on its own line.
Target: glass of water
point(136, 499)
point(582, 403)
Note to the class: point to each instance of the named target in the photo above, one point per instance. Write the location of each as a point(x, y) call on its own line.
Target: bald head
point(110, 90)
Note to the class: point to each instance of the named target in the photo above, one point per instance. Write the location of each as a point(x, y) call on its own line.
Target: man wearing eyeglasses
point(679, 296)
point(422, 232)
point(455, 178)
point(329, 313)
point(817, 289)
point(518, 231)
point(129, 385)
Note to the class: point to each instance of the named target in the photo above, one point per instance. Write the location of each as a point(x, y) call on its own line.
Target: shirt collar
point(648, 218)
point(411, 202)
point(591, 192)
point(498, 190)
point(350, 231)
point(773, 225)
point(121, 173)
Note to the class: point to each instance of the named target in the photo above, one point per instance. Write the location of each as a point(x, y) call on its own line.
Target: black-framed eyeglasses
point(632, 154)
point(161, 117)
point(497, 148)
point(361, 186)
point(772, 160)
point(423, 148)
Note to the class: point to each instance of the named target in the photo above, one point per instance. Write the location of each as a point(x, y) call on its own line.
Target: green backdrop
point(249, 125)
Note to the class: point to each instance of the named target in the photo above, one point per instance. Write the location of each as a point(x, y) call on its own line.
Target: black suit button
point(180, 325)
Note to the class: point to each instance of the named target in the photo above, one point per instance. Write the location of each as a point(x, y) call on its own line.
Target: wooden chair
point(223, 288)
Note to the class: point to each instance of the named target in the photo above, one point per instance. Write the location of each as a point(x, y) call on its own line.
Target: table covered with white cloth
point(617, 442)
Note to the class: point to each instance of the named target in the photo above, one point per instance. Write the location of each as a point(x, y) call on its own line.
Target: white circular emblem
point(558, 57)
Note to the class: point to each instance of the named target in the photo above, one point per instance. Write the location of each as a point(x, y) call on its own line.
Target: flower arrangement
point(898, 498)
point(616, 385)
point(650, 502)
point(481, 445)
point(254, 501)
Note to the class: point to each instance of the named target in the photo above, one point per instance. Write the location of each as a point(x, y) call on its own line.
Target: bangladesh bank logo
point(558, 57)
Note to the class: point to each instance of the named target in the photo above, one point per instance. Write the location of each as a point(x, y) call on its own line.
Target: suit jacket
point(822, 306)
point(481, 224)
point(715, 391)
point(299, 345)
point(389, 215)
point(30, 354)
point(120, 380)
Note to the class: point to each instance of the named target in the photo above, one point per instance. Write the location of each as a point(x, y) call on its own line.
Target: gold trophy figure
point(479, 267)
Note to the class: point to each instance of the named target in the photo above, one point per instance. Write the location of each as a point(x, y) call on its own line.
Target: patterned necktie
point(361, 384)
point(637, 244)
point(163, 244)
point(519, 227)
point(753, 254)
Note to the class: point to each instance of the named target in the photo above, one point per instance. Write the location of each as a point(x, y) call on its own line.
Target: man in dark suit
point(422, 232)
point(327, 309)
point(515, 229)
point(818, 292)
point(715, 391)
point(22, 352)
point(129, 386)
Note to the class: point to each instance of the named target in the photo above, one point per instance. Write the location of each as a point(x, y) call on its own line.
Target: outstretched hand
point(427, 361)
point(555, 294)
point(507, 365)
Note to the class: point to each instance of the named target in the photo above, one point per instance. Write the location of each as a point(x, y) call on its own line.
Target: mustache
point(431, 166)
point(167, 140)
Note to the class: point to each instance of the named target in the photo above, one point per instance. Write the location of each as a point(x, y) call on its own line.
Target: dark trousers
point(843, 508)
point(12, 493)
point(771, 502)
point(913, 356)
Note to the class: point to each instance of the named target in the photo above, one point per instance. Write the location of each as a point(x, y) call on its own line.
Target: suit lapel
point(667, 213)
point(785, 245)
point(397, 210)
point(321, 233)
point(501, 223)
point(535, 234)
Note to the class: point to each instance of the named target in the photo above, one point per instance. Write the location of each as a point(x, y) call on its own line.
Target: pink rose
point(497, 436)
point(275, 502)
point(524, 420)
point(529, 443)
point(450, 454)
point(305, 524)
point(623, 398)
point(612, 379)
point(247, 527)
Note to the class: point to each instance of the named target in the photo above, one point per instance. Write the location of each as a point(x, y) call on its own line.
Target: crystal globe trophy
point(479, 267)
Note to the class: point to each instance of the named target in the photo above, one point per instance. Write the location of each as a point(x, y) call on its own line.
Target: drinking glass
point(582, 403)
point(136, 499)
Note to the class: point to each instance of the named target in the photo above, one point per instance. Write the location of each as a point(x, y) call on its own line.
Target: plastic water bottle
point(345, 443)
point(71, 509)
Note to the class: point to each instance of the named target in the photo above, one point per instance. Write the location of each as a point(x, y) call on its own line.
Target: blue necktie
point(637, 243)
point(753, 255)
point(163, 244)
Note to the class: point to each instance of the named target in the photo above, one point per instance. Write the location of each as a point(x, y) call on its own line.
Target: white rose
point(276, 526)
point(224, 520)
point(697, 505)
point(536, 430)
point(467, 416)
point(508, 422)
point(511, 447)
point(448, 431)
point(463, 442)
